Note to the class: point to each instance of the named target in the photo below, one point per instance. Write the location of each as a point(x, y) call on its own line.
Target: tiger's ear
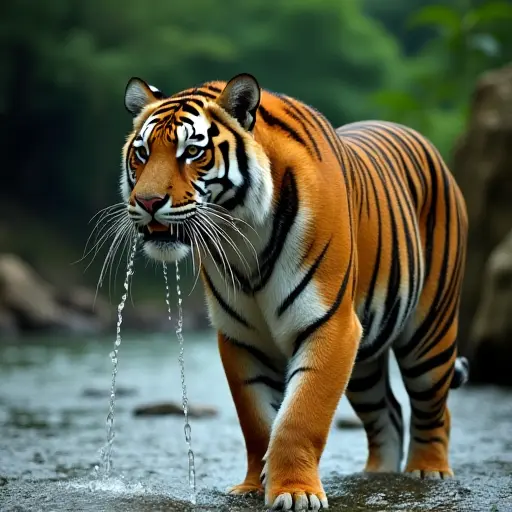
point(138, 94)
point(241, 98)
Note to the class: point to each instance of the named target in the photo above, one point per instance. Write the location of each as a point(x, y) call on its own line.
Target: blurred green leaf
point(492, 11)
point(440, 16)
point(397, 100)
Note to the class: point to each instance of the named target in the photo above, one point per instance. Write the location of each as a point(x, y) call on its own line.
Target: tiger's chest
point(270, 318)
point(268, 304)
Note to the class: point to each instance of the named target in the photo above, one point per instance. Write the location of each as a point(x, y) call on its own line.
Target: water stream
point(53, 394)
point(106, 451)
point(181, 357)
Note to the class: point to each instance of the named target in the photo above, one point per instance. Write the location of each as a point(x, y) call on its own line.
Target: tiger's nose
point(151, 203)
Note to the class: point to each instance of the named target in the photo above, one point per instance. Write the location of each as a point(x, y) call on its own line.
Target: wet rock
point(491, 334)
point(38, 458)
point(348, 423)
point(482, 165)
point(87, 303)
point(28, 303)
point(26, 295)
point(171, 408)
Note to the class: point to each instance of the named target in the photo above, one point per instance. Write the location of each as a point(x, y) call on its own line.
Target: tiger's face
point(191, 163)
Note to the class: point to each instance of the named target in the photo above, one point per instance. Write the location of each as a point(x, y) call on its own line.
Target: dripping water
point(179, 335)
point(106, 452)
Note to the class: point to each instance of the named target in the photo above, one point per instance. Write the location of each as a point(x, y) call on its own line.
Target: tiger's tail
point(461, 373)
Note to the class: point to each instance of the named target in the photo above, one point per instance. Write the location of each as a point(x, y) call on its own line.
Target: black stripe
point(224, 305)
point(271, 120)
point(406, 216)
point(430, 394)
point(256, 353)
point(192, 93)
point(200, 191)
point(303, 283)
point(308, 331)
point(302, 119)
point(392, 303)
point(430, 440)
point(394, 407)
point(365, 408)
point(243, 167)
point(224, 181)
point(433, 315)
point(267, 381)
point(165, 108)
point(212, 88)
point(359, 384)
point(436, 410)
point(431, 363)
point(428, 426)
point(186, 107)
point(301, 369)
point(284, 218)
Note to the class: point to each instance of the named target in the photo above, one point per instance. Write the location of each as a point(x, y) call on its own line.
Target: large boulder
point(28, 303)
point(490, 347)
point(26, 295)
point(483, 168)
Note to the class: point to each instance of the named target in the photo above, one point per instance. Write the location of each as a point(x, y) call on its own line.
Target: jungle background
point(442, 67)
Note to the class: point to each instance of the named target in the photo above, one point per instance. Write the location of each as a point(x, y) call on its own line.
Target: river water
point(54, 402)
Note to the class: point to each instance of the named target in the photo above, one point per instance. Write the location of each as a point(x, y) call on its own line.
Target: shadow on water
point(54, 402)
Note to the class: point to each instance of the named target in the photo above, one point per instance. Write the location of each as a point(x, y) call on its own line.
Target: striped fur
point(320, 251)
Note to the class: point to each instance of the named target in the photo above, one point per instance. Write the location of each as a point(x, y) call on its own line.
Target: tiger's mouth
point(160, 234)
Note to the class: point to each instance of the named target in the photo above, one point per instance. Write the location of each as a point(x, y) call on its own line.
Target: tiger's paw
point(292, 481)
point(296, 498)
point(430, 473)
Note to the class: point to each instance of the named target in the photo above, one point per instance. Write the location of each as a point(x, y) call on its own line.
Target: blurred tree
point(65, 66)
point(470, 37)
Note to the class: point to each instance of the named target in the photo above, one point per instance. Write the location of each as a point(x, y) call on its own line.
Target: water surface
point(54, 402)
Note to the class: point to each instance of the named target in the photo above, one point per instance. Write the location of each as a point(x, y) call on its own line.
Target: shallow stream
point(54, 401)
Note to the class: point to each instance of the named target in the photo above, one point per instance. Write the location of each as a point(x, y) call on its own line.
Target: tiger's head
point(192, 159)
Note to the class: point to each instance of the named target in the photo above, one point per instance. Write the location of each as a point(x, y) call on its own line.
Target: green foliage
point(441, 77)
point(66, 63)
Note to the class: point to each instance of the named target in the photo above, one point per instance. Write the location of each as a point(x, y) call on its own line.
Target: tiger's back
point(412, 230)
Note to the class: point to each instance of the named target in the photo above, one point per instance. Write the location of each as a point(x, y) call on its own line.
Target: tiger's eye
point(192, 150)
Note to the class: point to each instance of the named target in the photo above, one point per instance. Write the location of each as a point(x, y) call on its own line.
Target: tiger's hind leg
point(427, 362)
point(370, 394)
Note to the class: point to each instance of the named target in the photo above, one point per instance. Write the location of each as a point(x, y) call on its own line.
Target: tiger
point(321, 252)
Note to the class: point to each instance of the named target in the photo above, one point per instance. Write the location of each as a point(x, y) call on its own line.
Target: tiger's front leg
point(317, 376)
point(256, 385)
